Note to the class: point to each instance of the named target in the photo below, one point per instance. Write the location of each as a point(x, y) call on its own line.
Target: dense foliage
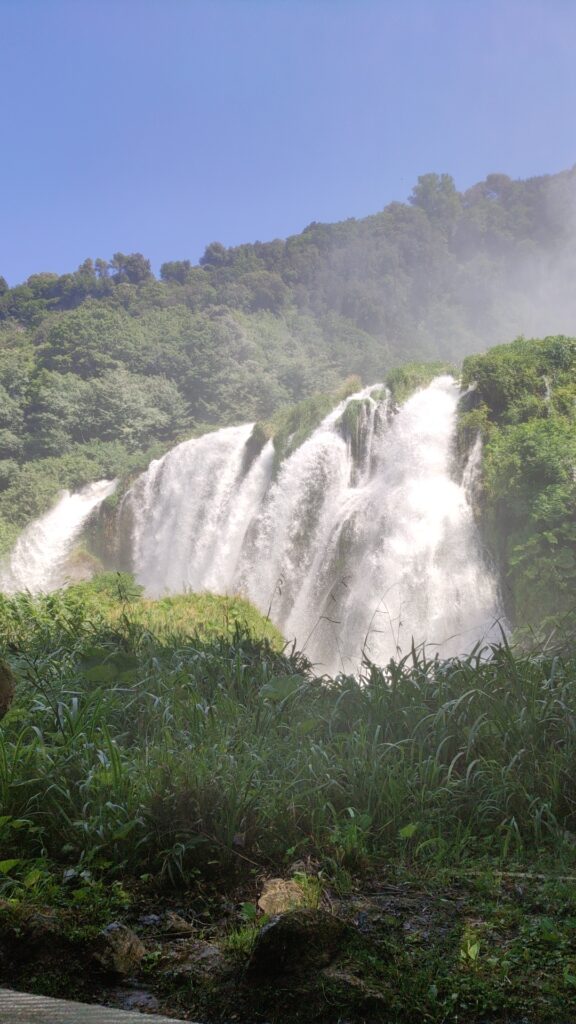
point(524, 403)
point(99, 365)
point(128, 752)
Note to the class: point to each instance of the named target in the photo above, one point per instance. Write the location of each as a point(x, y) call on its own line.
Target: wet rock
point(194, 959)
point(150, 920)
point(134, 999)
point(168, 923)
point(280, 895)
point(118, 950)
point(299, 940)
point(205, 955)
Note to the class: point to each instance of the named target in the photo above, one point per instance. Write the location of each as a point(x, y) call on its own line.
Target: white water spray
point(38, 560)
point(363, 542)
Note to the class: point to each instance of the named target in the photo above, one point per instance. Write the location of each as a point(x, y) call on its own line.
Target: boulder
point(299, 940)
point(118, 950)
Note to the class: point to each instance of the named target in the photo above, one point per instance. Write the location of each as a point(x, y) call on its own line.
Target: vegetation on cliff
point(403, 380)
point(524, 405)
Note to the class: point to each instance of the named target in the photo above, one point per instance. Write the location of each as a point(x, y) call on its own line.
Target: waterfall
point(364, 541)
point(38, 560)
point(192, 509)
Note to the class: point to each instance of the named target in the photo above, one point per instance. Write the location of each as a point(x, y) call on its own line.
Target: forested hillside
point(105, 366)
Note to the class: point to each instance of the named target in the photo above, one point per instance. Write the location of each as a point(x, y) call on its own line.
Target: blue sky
point(159, 126)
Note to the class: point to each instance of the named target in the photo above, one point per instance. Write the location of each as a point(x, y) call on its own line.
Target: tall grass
point(129, 753)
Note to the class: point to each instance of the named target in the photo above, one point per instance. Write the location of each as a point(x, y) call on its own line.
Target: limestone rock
point(176, 925)
point(118, 949)
point(280, 895)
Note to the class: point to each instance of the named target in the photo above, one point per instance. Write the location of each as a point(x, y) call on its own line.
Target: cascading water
point(363, 542)
point(38, 560)
point(403, 554)
point(192, 509)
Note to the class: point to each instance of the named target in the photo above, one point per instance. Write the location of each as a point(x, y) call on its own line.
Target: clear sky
point(159, 126)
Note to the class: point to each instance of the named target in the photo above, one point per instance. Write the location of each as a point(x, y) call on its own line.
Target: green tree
point(133, 409)
point(89, 340)
point(55, 413)
point(436, 194)
point(131, 269)
point(176, 270)
point(215, 255)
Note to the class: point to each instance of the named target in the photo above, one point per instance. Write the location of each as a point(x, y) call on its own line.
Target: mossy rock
point(294, 425)
point(81, 566)
point(379, 394)
point(259, 437)
point(351, 418)
point(297, 941)
point(470, 423)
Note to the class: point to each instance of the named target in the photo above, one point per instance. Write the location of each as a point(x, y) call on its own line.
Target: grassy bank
point(116, 598)
point(422, 760)
point(144, 766)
